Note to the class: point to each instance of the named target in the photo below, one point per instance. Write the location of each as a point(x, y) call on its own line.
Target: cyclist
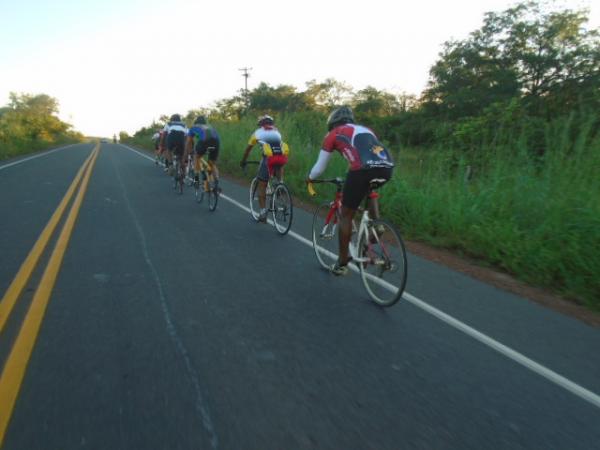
point(173, 139)
point(207, 140)
point(274, 157)
point(368, 160)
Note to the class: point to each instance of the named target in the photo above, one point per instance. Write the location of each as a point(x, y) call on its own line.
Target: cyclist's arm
point(246, 153)
point(320, 165)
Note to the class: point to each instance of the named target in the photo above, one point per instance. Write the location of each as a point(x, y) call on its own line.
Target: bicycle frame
point(363, 226)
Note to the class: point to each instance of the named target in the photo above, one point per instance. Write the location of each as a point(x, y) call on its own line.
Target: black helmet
point(200, 120)
point(175, 118)
point(265, 120)
point(339, 116)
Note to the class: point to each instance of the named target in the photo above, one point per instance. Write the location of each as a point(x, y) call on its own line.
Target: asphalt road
point(171, 327)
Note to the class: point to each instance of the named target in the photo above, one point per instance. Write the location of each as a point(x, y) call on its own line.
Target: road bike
point(278, 201)
point(376, 246)
point(206, 185)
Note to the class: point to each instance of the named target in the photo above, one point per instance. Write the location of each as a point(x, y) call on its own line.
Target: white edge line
point(517, 357)
point(39, 155)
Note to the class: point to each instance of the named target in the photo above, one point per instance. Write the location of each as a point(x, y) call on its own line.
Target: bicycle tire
point(198, 191)
point(213, 197)
point(254, 206)
point(282, 208)
point(325, 235)
point(385, 270)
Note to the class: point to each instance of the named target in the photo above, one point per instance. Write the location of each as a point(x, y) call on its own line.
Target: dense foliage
point(29, 123)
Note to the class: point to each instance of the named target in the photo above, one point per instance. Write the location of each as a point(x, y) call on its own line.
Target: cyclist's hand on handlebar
point(243, 163)
point(309, 186)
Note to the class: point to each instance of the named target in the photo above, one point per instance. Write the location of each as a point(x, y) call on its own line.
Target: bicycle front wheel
point(213, 197)
point(283, 209)
point(383, 266)
point(325, 234)
point(254, 206)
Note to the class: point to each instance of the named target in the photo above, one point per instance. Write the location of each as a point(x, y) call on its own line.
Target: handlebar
point(338, 181)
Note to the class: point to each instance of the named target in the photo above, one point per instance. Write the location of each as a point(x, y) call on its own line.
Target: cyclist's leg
point(200, 165)
point(355, 189)
point(379, 173)
point(345, 234)
point(263, 178)
point(213, 155)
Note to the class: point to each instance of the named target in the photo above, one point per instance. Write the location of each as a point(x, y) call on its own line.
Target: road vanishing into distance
point(134, 318)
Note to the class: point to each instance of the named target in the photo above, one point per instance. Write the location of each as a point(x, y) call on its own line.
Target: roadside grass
point(24, 147)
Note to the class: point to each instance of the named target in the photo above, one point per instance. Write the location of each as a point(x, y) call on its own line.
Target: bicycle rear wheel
point(254, 206)
point(213, 196)
point(325, 234)
point(384, 268)
point(283, 209)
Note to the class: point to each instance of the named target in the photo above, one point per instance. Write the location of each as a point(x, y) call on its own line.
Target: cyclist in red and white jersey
point(368, 160)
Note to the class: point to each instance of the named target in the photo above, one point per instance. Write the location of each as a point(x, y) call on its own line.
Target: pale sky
point(119, 64)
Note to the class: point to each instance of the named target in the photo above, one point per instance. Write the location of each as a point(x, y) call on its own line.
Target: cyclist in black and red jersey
point(368, 159)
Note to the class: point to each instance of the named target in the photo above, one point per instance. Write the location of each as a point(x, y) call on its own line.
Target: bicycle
point(278, 201)
point(208, 186)
point(178, 174)
point(376, 246)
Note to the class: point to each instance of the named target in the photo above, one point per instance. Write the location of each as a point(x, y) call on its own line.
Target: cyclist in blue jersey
point(203, 138)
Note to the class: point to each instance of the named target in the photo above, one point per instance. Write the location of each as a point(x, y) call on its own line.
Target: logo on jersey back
point(379, 151)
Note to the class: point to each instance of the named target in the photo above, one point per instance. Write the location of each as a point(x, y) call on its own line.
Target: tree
point(546, 58)
point(327, 94)
point(372, 102)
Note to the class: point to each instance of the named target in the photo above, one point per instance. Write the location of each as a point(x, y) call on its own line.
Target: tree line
point(524, 67)
point(30, 122)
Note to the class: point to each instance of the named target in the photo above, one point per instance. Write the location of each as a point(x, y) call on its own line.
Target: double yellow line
point(16, 364)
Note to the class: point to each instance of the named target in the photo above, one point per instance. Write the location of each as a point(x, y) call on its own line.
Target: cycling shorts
point(210, 145)
point(176, 142)
point(357, 182)
point(269, 164)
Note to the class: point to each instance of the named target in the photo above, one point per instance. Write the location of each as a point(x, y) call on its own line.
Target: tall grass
point(18, 147)
point(538, 217)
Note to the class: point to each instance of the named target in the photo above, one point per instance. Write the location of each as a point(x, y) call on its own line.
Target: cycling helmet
point(265, 120)
point(339, 116)
point(175, 118)
point(200, 120)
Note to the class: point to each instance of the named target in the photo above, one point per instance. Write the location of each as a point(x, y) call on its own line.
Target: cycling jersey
point(203, 133)
point(207, 140)
point(270, 140)
point(175, 138)
point(359, 145)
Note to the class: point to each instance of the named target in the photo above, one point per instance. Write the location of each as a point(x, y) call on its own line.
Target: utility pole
point(245, 73)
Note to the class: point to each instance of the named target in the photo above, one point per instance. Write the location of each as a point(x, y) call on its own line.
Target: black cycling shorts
point(176, 142)
point(357, 182)
point(210, 145)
